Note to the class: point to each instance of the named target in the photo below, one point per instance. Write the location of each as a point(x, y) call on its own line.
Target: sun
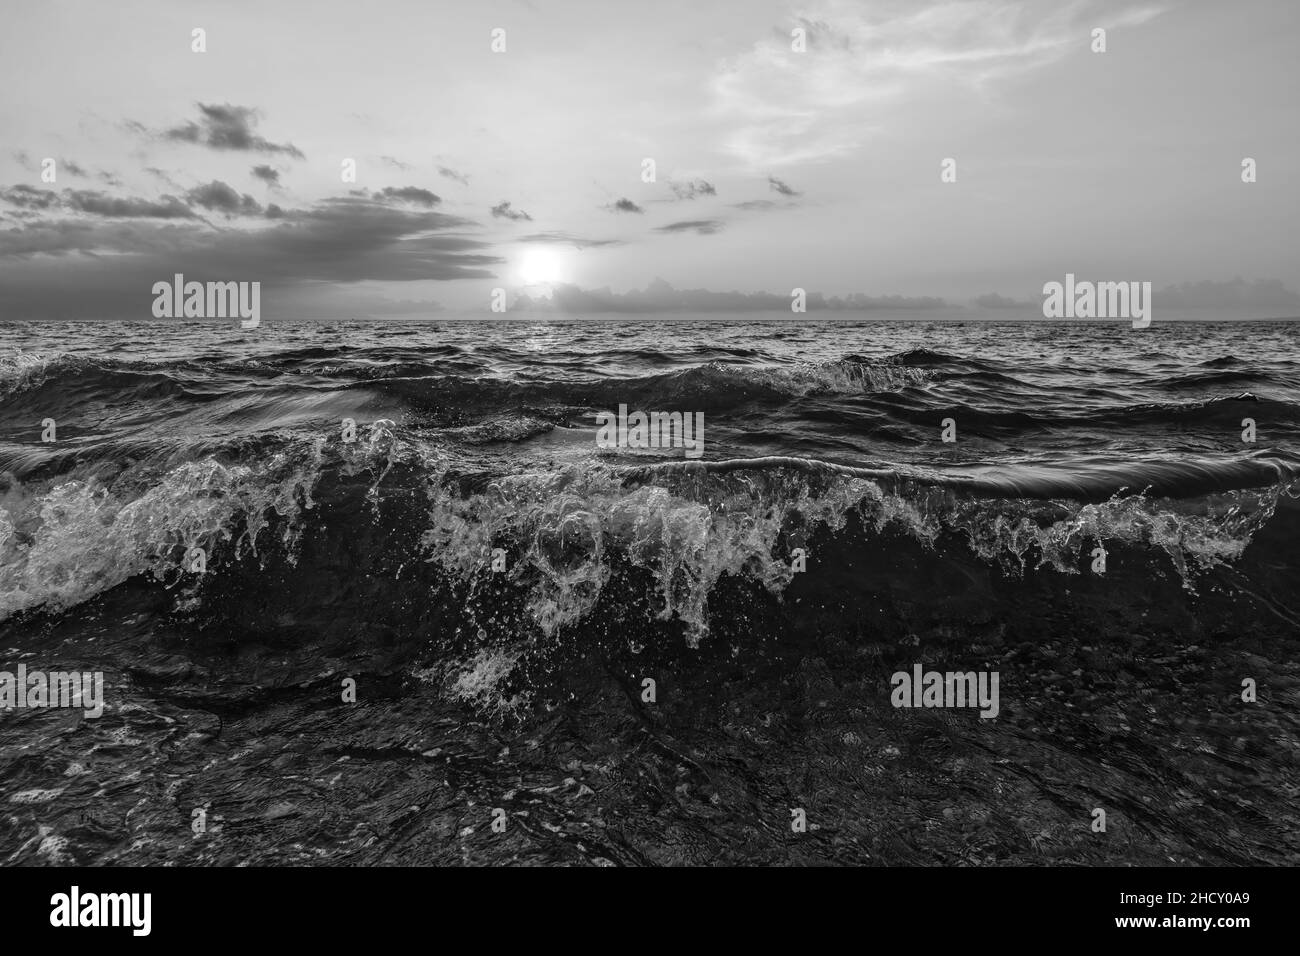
point(541, 267)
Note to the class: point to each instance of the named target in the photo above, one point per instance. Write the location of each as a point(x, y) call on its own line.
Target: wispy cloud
point(703, 227)
point(450, 173)
point(163, 175)
point(564, 238)
point(783, 107)
point(95, 203)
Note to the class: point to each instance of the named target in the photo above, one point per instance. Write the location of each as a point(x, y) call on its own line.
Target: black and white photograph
point(726, 434)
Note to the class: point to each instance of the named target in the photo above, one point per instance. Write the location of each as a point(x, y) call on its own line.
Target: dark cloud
point(25, 197)
point(344, 240)
point(347, 239)
point(395, 163)
point(71, 167)
point(704, 227)
point(352, 239)
point(624, 205)
point(108, 178)
point(94, 203)
point(452, 174)
point(226, 127)
point(753, 204)
point(690, 188)
point(267, 174)
point(62, 237)
point(503, 211)
point(563, 238)
point(411, 194)
point(781, 187)
point(219, 197)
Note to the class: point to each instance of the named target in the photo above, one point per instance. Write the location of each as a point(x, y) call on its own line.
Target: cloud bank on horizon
point(801, 145)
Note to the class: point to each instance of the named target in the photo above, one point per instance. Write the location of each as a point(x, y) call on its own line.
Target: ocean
point(378, 593)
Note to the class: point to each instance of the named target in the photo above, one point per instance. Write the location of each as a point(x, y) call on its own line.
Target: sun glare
point(541, 267)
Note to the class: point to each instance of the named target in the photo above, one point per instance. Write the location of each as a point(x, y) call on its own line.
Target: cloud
point(624, 205)
point(1233, 294)
point(704, 227)
point(778, 107)
point(396, 163)
point(690, 188)
point(219, 197)
point(94, 203)
point(57, 268)
point(452, 174)
point(61, 237)
point(347, 239)
point(25, 197)
point(659, 296)
point(1233, 298)
point(91, 202)
point(991, 300)
point(267, 174)
point(410, 194)
point(71, 167)
point(163, 175)
point(777, 185)
point(351, 239)
point(503, 211)
point(563, 238)
point(226, 127)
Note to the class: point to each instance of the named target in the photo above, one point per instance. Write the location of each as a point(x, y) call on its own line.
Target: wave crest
point(78, 538)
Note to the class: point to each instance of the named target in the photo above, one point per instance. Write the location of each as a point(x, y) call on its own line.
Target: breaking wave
point(564, 532)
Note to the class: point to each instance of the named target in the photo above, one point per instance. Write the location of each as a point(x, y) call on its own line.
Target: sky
point(523, 168)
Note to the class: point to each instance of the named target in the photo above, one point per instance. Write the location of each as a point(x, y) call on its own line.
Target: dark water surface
point(522, 690)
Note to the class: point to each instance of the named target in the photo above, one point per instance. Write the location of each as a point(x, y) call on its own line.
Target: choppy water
point(521, 689)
